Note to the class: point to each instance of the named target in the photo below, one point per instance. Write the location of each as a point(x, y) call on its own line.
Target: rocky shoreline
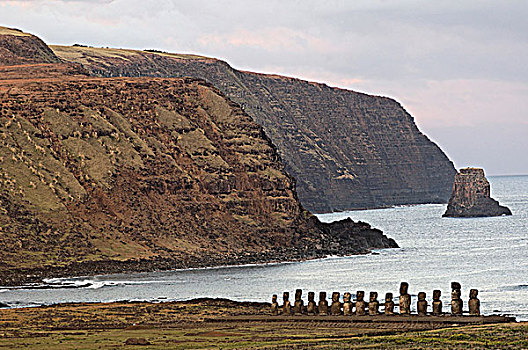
point(17, 277)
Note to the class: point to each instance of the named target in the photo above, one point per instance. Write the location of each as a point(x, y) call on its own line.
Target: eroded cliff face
point(347, 150)
point(115, 174)
point(471, 196)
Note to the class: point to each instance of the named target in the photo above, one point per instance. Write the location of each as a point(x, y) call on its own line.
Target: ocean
point(489, 254)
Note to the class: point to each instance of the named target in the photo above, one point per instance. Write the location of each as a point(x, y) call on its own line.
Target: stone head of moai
point(347, 297)
point(311, 296)
point(404, 288)
point(437, 303)
point(455, 294)
point(456, 285)
point(373, 296)
point(347, 304)
point(474, 303)
point(437, 294)
point(360, 295)
point(298, 294)
point(274, 305)
point(322, 296)
point(285, 296)
point(335, 297)
point(422, 304)
point(389, 304)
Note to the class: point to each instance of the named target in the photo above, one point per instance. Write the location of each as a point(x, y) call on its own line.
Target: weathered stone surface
point(457, 304)
point(286, 305)
point(104, 175)
point(389, 304)
point(471, 196)
point(335, 308)
point(347, 304)
point(474, 303)
point(361, 305)
point(323, 304)
point(373, 305)
point(437, 303)
point(347, 150)
point(405, 299)
point(311, 307)
point(298, 306)
point(421, 305)
point(274, 309)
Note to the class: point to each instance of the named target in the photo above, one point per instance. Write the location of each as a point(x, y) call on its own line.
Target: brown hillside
point(105, 175)
point(347, 150)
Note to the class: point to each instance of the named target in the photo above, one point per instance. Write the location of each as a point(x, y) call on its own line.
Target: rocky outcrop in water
point(347, 150)
point(101, 175)
point(471, 196)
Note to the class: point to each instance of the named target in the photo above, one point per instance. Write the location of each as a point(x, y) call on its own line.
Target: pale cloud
point(450, 63)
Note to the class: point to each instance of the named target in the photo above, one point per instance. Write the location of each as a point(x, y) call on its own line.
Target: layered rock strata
point(471, 196)
point(137, 174)
point(346, 149)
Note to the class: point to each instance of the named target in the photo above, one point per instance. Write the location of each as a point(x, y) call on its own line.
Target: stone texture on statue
point(274, 305)
point(298, 306)
point(373, 305)
point(335, 308)
point(323, 304)
point(456, 302)
point(437, 303)
point(421, 306)
point(474, 303)
point(311, 308)
point(347, 304)
point(286, 306)
point(471, 196)
point(360, 303)
point(389, 304)
point(405, 299)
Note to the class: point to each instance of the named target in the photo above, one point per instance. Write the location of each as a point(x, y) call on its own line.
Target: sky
point(459, 67)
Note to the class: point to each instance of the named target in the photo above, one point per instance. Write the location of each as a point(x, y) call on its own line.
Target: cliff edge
point(471, 196)
point(347, 150)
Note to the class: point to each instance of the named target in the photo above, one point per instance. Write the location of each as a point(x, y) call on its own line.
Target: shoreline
point(25, 276)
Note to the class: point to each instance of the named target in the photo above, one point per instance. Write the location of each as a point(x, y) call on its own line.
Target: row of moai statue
point(372, 307)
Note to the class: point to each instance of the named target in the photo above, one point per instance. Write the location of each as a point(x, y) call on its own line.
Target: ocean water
point(490, 254)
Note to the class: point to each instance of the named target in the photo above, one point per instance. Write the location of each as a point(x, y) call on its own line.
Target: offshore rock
point(347, 150)
point(471, 196)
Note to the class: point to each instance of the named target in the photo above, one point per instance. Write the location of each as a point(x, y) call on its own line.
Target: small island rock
point(471, 196)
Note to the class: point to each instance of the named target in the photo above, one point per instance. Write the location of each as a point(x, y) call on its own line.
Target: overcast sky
point(459, 67)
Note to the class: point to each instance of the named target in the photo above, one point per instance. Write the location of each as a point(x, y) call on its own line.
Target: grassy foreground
point(202, 324)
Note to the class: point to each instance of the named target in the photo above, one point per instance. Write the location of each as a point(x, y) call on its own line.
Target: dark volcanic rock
point(471, 196)
point(101, 175)
point(347, 150)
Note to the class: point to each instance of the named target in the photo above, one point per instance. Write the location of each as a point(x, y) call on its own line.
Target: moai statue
point(421, 306)
point(474, 303)
point(437, 303)
point(311, 308)
point(405, 299)
point(360, 303)
point(323, 304)
point(298, 306)
point(373, 305)
point(389, 304)
point(274, 305)
point(286, 306)
point(335, 308)
point(456, 302)
point(347, 304)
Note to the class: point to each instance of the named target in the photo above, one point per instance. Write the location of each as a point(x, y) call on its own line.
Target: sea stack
point(471, 196)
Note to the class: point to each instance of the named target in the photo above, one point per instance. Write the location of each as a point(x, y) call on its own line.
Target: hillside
point(347, 150)
point(135, 174)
